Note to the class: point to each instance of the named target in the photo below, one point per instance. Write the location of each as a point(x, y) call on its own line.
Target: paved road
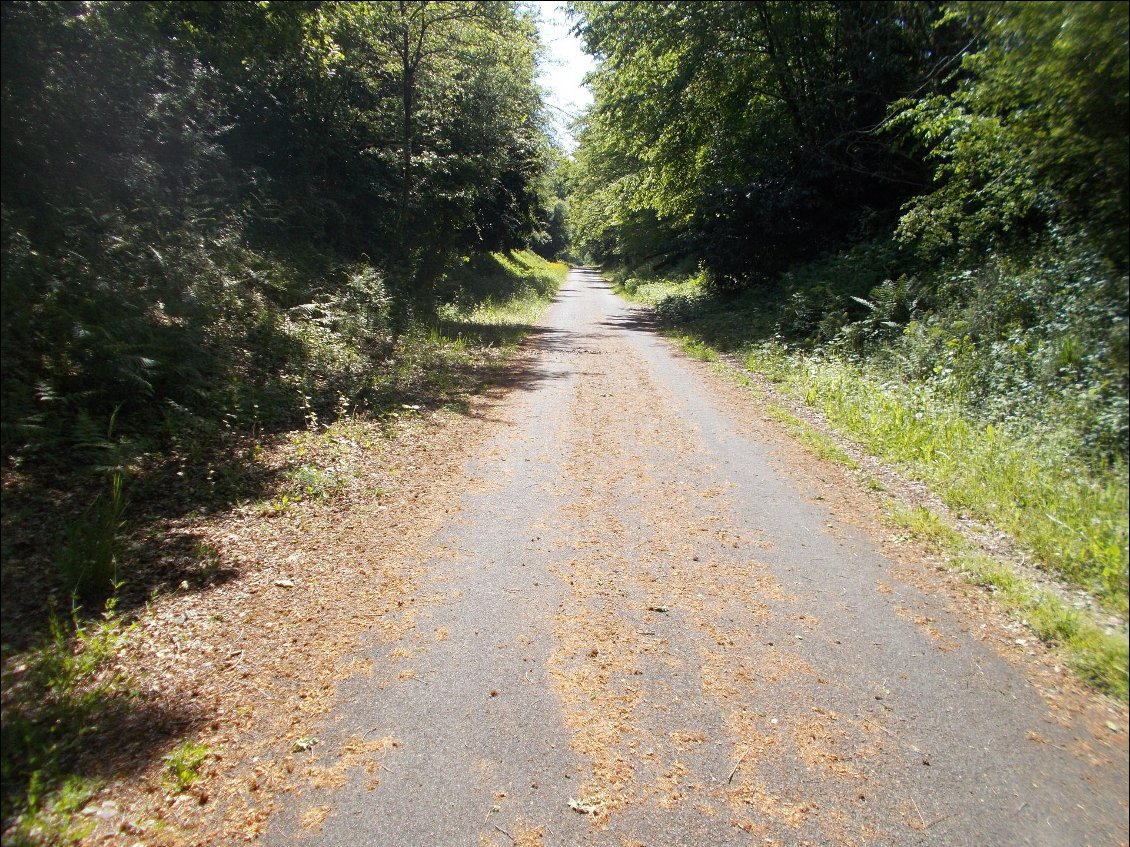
point(640, 631)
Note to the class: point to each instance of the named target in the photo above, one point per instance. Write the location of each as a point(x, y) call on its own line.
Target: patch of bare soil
point(252, 661)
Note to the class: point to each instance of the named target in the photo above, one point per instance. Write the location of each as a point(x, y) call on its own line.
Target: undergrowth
point(57, 696)
point(495, 298)
point(1073, 517)
point(62, 702)
point(332, 356)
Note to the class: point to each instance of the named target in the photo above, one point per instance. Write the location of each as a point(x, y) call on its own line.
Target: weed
point(822, 445)
point(924, 525)
point(278, 505)
point(88, 558)
point(697, 349)
point(316, 482)
point(54, 696)
point(182, 763)
point(55, 818)
point(208, 559)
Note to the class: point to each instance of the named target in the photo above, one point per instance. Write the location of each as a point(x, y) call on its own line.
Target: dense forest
point(942, 186)
point(215, 213)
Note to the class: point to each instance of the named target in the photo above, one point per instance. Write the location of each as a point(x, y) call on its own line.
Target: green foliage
point(1038, 340)
point(223, 215)
point(554, 237)
point(495, 298)
point(182, 763)
point(55, 818)
point(88, 558)
point(744, 133)
point(776, 143)
point(56, 696)
point(1035, 132)
point(1073, 517)
point(314, 481)
point(501, 276)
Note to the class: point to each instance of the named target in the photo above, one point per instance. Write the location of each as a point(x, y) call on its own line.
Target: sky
point(563, 71)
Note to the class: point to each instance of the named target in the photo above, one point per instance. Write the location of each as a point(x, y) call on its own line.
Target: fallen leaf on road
point(304, 743)
point(585, 806)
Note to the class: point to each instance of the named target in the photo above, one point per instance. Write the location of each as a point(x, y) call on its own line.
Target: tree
point(750, 130)
point(180, 177)
point(1034, 133)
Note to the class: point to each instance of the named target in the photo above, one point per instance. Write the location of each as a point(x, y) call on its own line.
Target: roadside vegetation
point(226, 227)
point(915, 224)
point(66, 701)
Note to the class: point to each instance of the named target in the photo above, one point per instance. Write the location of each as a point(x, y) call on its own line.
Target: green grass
point(182, 763)
point(500, 296)
point(814, 439)
point(697, 349)
point(504, 321)
point(53, 698)
point(88, 557)
point(924, 525)
point(1072, 517)
point(1097, 656)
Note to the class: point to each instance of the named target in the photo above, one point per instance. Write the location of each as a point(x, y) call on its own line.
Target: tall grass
point(1071, 516)
point(88, 558)
point(55, 696)
point(499, 296)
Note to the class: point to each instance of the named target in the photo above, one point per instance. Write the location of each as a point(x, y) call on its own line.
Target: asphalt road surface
point(642, 629)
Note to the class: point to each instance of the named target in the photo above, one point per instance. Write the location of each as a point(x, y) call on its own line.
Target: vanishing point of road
point(643, 627)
